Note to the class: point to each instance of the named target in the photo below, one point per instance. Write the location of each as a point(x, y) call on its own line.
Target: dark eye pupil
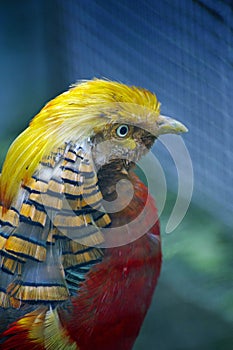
point(123, 130)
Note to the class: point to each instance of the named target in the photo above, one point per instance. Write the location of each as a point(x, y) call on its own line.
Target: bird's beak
point(167, 125)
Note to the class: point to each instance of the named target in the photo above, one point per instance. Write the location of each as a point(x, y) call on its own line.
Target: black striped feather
point(52, 228)
point(41, 281)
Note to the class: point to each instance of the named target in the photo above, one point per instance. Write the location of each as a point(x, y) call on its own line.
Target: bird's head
point(125, 121)
point(110, 119)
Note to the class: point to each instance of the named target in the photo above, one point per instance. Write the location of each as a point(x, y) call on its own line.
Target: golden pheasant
point(75, 272)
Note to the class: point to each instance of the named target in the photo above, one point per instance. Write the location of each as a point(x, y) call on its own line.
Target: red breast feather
point(112, 302)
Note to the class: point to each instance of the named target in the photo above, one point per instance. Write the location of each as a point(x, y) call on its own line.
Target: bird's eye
point(122, 130)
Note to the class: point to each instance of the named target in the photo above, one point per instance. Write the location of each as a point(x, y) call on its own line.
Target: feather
point(64, 198)
point(42, 329)
point(60, 204)
point(41, 281)
point(5, 280)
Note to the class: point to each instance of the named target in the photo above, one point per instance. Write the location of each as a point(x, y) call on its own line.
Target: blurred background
point(183, 51)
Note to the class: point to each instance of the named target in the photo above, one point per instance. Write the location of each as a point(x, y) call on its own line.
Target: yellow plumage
point(45, 328)
point(72, 116)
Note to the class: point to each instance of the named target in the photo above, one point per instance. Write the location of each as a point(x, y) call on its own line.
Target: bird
point(79, 258)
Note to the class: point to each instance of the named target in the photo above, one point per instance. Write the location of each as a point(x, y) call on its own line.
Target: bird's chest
point(114, 299)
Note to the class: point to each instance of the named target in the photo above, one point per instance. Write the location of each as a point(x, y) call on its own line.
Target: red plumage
point(113, 300)
point(121, 287)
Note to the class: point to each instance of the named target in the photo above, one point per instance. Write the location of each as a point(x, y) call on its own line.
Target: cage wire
point(181, 50)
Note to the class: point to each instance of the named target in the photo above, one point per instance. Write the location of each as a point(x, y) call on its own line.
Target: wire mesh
point(183, 51)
